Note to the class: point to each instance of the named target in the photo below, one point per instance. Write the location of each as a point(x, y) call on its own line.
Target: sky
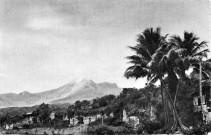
point(45, 44)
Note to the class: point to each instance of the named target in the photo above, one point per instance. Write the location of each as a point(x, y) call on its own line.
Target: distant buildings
point(203, 108)
point(132, 120)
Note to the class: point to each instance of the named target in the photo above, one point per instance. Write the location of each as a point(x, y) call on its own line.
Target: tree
point(78, 105)
point(85, 104)
point(44, 112)
point(190, 53)
point(71, 111)
point(184, 53)
point(149, 51)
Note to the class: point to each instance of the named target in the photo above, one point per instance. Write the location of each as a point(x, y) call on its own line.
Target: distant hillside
point(12, 111)
point(69, 93)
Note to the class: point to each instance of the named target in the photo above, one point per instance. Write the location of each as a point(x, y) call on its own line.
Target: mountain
point(68, 93)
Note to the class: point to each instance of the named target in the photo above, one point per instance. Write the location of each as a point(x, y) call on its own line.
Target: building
point(202, 107)
point(124, 116)
point(132, 120)
point(52, 116)
point(73, 121)
point(28, 118)
point(65, 117)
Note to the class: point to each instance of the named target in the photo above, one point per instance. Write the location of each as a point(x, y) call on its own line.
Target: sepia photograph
point(105, 67)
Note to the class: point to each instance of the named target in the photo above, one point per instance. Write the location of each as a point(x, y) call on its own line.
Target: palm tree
point(149, 51)
point(185, 53)
point(167, 65)
point(188, 52)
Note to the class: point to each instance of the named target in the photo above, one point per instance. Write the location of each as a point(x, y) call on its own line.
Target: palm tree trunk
point(167, 109)
point(181, 126)
point(175, 98)
point(150, 110)
point(164, 105)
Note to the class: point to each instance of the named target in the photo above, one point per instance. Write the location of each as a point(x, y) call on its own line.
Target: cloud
point(44, 23)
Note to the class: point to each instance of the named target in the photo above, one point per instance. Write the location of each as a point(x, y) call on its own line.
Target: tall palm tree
point(185, 53)
point(167, 65)
point(149, 51)
point(188, 54)
point(190, 50)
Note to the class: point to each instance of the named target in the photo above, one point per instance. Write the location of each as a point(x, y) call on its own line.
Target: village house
point(85, 119)
point(89, 119)
point(76, 120)
point(111, 115)
point(9, 126)
point(52, 115)
point(124, 116)
point(16, 121)
point(65, 117)
point(12, 121)
point(98, 116)
point(7, 121)
point(28, 118)
point(39, 119)
point(132, 120)
point(204, 105)
point(73, 121)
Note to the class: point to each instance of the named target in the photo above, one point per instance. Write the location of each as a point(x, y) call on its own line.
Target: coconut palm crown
point(144, 64)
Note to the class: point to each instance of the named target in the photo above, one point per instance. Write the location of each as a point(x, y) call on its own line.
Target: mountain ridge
point(68, 93)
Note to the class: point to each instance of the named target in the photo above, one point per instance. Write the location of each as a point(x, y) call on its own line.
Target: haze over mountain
point(68, 93)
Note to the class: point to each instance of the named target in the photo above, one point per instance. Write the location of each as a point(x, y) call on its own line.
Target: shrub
point(116, 122)
point(123, 130)
point(201, 130)
point(140, 129)
point(100, 130)
point(151, 126)
point(26, 126)
point(16, 128)
point(97, 122)
point(106, 129)
point(65, 123)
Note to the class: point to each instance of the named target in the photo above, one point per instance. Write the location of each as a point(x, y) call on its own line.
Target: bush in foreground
point(201, 130)
point(108, 130)
point(100, 130)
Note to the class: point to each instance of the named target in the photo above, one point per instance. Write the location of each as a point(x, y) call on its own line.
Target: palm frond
point(153, 79)
point(135, 72)
point(205, 75)
point(175, 41)
point(141, 51)
point(199, 46)
point(137, 60)
point(202, 53)
point(150, 39)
